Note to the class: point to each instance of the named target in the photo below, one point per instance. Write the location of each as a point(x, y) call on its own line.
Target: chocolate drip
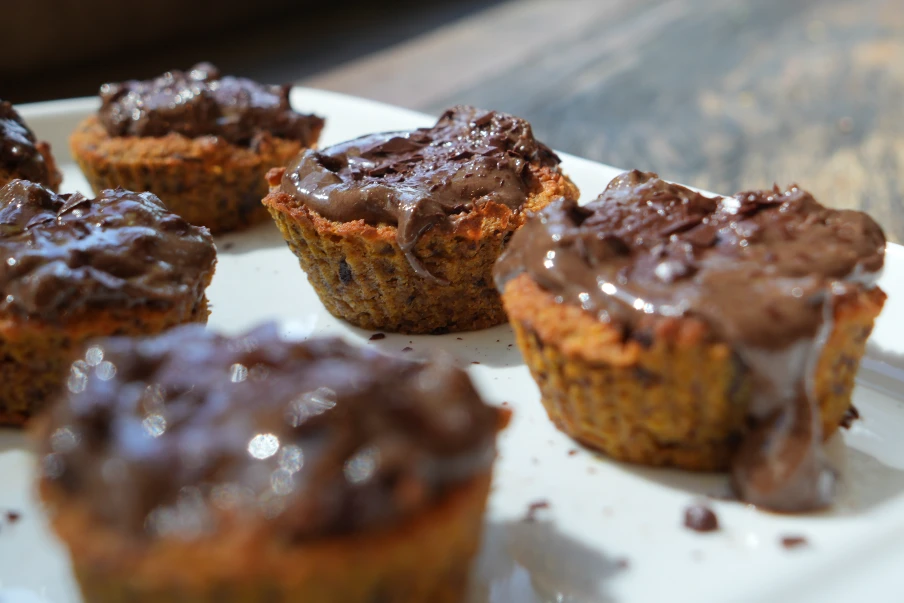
point(415, 180)
point(317, 437)
point(763, 269)
point(62, 253)
point(19, 153)
point(201, 102)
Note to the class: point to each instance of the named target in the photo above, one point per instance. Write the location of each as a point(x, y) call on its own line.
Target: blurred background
point(720, 94)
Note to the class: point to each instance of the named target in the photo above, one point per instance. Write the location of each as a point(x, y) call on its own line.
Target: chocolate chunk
point(377, 337)
point(534, 508)
point(850, 415)
point(407, 349)
point(700, 518)
point(13, 516)
point(793, 542)
point(345, 272)
point(204, 103)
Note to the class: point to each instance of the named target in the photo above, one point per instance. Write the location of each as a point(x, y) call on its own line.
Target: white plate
point(613, 532)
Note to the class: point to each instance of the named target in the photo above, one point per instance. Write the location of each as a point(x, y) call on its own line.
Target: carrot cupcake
point(669, 328)
point(399, 231)
point(200, 141)
point(73, 268)
point(21, 154)
point(262, 468)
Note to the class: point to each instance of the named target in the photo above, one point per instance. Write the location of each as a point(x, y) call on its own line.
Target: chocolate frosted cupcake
point(21, 154)
point(200, 468)
point(200, 141)
point(399, 231)
point(73, 268)
point(668, 328)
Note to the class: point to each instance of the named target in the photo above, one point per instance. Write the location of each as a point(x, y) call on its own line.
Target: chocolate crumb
point(497, 341)
point(700, 518)
point(13, 516)
point(850, 415)
point(793, 542)
point(459, 338)
point(407, 349)
point(228, 245)
point(377, 337)
point(506, 404)
point(572, 452)
point(622, 563)
point(474, 362)
point(533, 508)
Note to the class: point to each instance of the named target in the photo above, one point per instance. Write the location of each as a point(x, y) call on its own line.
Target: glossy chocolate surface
point(169, 435)
point(202, 102)
point(763, 269)
point(19, 152)
point(61, 254)
point(415, 180)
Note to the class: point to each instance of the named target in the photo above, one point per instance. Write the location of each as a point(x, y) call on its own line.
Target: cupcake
point(266, 468)
point(73, 268)
point(664, 327)
point(399, 231)
point(21, 154)
point(200, 141)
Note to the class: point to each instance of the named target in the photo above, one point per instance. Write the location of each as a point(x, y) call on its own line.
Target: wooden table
point(720, 94)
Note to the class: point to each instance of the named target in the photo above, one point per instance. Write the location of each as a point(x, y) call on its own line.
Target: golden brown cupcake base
point(207, 181)
point(361, 274)
point(35, 356)
point(425, 559)
point(679, 401)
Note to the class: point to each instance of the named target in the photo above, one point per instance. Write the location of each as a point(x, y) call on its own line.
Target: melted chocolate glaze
point(415, 180)
point(19, 153)
point(163, 435)
point(60, 254)
point(201, 102)
point(763, 269)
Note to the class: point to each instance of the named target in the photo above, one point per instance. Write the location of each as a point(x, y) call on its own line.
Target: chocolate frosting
point(201, 102)
point(60, 254)
point(415, 180)
point(19, 151)
point(170, 434)
point(763, 269)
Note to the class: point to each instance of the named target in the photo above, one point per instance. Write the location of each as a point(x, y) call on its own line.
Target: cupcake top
point(763, 269)
point(756, 267)
point(201, 102)
point(20, 152)
point(414, 180)
point(179, 433)
point(61, 254)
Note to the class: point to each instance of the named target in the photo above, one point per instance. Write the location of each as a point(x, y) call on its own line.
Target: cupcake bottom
point(35, 357)
point(674, 400)
point(207, 181)
point(361, 274)
point(426, 558)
